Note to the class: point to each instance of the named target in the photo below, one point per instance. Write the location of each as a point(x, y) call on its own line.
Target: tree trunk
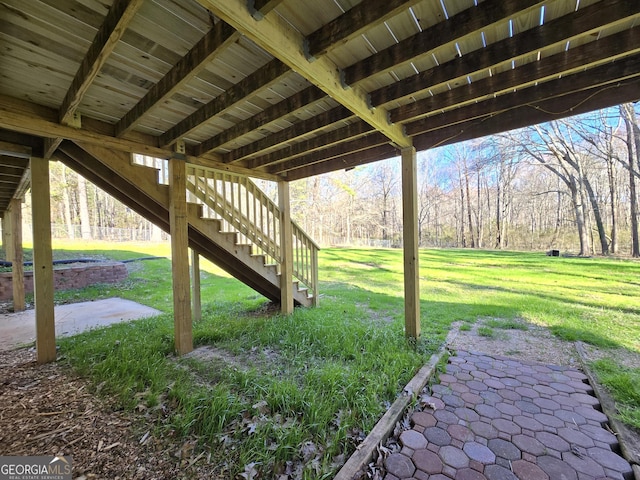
point(633, 143)
point(85, 223)
point(581, 223)
point(463, 238)
point(66, 204)
point(613, 192)
point(602, 235)
point(469, 213)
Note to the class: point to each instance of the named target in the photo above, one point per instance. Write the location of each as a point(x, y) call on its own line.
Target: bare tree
point(633, 150)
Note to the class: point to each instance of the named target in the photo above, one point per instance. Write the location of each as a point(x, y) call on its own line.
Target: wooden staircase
point(231, 221)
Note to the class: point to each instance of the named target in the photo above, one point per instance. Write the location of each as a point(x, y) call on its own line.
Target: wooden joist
point(284, 42)
point(211, 44)
point(583, 21)
point(284, 136)
point(114, 26)
point(352, 23)
point(428, 40)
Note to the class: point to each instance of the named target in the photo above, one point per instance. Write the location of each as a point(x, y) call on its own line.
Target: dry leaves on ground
point(47, 411)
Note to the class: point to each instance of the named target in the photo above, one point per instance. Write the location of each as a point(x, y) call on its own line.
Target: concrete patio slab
point(17, 329)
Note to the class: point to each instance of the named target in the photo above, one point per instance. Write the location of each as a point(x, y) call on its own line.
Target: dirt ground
point(46, 411)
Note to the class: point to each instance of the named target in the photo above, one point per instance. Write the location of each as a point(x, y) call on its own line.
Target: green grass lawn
point(301, 391)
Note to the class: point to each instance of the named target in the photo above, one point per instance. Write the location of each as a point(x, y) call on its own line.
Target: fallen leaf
point(262, 407)
point(250, 471)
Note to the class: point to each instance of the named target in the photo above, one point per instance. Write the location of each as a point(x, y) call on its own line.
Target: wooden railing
point(244, 208)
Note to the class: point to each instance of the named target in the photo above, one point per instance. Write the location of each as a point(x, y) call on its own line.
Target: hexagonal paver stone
point(466, 414)
point(399, 465)
point(586, 399)
point(528, 444)
point(527, 392)
point(496, 472)
point(528, 423)
point(562, 387)
point(549, 420)
point(437, 436)
point(557, 468)
point(413, 440)
point(527, 406)
point(479, 453)
point(491, 398)
point(570, 417)
point(494, 383)
point(583, 464)
point(488, 411)
point(445, 416)
point(527, 380)
point(508, 409)
point(610, 460)
point(484, 429)
point(506, 426)
point(427, 461)
point(528, 471)
point(454, 457)
point(453, 400)
point(544, 389)
point(553, 441)
point(460, 432)
point(424, 419)
point(477, 385)
point(504, 449)
point(599, 434)
point(511, 382)
point(592, 414)
point(469, 474)
point(546, 403)
point(575, 437)
point(447, 378)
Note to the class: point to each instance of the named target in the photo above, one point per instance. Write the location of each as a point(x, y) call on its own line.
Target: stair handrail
point(238, 201)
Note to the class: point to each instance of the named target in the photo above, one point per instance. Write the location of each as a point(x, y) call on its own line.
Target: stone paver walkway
point(504, 419)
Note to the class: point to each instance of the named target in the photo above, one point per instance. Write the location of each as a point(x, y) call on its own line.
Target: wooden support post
point(179, 229)
point(42, 261)
point(196, 303)
point(5, 236)
point(15, 209)
point(314, 272)
point(410, 237)
point(286, 249)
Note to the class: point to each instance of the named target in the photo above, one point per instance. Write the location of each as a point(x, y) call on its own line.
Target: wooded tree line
point(568, 185)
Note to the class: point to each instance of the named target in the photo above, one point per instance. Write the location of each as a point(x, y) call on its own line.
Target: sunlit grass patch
point(306, 388)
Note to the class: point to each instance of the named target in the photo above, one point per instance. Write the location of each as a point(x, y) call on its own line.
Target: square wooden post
point(42, 261)
point(17, 258)
point(410, 238)
point(5, 240)
point(196, 303)
point(286, 249)
point(179, 230)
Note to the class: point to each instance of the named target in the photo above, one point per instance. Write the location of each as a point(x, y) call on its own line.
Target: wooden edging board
point(629, 445)
point(383, 429)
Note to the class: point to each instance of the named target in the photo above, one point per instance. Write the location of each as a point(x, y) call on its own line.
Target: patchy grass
point(485, 331)
point(256, 405)
point(624, 385)
point(506, 324)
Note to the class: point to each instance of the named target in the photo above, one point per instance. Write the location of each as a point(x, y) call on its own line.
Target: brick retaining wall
point(68, 277)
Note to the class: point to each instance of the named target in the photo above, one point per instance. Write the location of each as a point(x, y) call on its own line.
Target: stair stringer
point(137, 187)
